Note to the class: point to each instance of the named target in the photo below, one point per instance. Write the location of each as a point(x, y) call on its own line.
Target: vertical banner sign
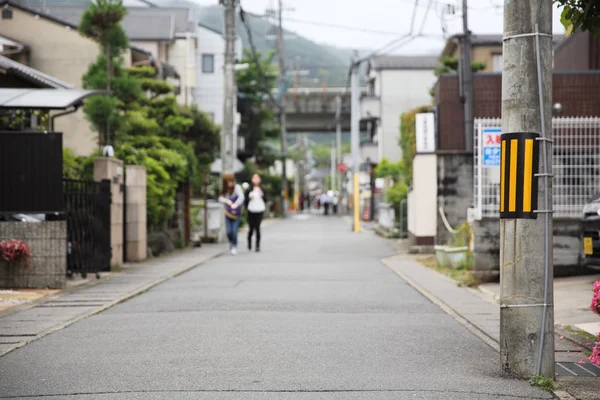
point(491, 147)
point(425, 133)
point(518, 183)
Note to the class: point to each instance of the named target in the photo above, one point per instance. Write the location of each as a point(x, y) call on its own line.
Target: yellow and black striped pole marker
point(518, 170)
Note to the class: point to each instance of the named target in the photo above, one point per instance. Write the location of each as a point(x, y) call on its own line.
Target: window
point(208, 63)
point(497, 61)
point(7, 13)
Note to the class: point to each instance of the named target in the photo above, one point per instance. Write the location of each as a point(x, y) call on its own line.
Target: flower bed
point(595, 306)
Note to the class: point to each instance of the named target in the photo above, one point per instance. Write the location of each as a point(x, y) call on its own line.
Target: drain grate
point(576, 369)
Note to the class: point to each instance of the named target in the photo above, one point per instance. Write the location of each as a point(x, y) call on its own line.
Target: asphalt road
point(313, 316)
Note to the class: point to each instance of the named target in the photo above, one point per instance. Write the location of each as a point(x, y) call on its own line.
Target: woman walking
point(232, 196)
point(256, 200)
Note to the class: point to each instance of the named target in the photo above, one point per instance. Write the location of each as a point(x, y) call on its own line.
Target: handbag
point(233, 213)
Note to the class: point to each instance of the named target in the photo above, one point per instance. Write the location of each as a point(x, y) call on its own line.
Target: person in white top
point(256, 200)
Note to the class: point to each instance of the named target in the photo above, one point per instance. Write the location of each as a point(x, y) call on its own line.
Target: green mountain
point(320, 64)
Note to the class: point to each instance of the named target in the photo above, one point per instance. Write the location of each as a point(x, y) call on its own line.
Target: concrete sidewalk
point(572, 297)
point(479, 312)
point(23, 325)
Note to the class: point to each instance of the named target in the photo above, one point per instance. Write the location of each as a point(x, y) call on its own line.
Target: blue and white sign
point(491, 147)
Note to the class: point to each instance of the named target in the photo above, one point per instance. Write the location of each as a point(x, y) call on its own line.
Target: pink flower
point(14, 250)
point(581, 362)
point(595, 306)
point(595, 357)
point(596, 286)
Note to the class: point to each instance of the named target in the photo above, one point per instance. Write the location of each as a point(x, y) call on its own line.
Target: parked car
point(590, 233)
point(23, 217)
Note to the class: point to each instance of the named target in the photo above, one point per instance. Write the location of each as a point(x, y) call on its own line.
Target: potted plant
point(441, 256)
point(14, 250)
point(457, 250)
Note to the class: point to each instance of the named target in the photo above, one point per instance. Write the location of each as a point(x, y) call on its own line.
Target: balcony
point(369, 107)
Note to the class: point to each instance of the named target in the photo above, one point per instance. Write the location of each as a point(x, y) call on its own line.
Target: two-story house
point(396, 84)
point(485, 48)
point(165, 32)
point(51, 44)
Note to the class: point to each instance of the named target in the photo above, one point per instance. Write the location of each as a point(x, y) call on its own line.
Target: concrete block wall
point(112, 169)
point(566, 249)
point(136, 230)
point(455, 190)
point(48, 262)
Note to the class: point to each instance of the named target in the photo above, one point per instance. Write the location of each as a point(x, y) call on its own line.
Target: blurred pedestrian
point(232, 195)
point(301, 202)
point(256, 199)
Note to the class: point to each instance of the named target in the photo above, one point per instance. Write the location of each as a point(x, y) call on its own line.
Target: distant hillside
point(325, 64)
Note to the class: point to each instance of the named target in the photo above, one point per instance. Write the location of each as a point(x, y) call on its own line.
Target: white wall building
point(396, 84)
point(210, 71)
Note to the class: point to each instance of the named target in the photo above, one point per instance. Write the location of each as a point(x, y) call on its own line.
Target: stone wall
point(48, 262)
point(567, 246)
point(455, 190)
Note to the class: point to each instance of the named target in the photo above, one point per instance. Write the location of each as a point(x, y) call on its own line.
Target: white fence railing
point(576, 165)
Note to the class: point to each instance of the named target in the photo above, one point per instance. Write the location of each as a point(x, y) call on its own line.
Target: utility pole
point(227, 134)
point(338, 138)
point(526, 272)
point(332, 168)
point(467, 79)
point(355, 137)
point(282, 118)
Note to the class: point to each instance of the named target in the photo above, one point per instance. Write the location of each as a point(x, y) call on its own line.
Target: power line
point(345, 27)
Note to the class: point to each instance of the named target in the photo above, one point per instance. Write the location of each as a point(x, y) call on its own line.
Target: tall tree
point(101, 22)
point(255, 85)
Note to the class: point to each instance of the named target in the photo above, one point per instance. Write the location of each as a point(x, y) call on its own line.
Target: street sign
point(342, 167)
point(425, 133)
point(491, 147)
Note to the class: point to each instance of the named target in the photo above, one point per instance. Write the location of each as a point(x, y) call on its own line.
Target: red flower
point(14, 250)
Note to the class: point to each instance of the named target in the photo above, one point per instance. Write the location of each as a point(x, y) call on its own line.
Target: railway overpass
point(312, 110)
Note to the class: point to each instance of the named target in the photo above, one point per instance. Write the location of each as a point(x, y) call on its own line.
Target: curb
point(560, 394)
point(111, 304)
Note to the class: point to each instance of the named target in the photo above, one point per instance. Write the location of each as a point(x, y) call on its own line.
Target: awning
point(45, 99)
point(43, 80)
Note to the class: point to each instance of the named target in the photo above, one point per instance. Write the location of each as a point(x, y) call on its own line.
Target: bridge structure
point(312, 110)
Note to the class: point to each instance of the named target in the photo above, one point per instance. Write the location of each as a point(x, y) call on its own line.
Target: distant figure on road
point(256, 200)
point(335, 201)
point(326, 201)
point(232, 195)
point(307, 199)
point(301, 202)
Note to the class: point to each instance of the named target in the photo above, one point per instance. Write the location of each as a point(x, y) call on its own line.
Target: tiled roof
point(32, 75)
point(404, 62)
point(140, 23)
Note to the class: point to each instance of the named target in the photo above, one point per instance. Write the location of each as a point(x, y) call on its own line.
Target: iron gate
point(87, 210)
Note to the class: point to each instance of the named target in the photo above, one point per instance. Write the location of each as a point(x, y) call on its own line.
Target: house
point(210, 74)
point(209, 92)
point(55, 48)
point(578, 52)
point(395, 84)
point(165, 32)
point(486, 48)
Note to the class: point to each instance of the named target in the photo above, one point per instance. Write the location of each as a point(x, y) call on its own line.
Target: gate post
point(136, 241)
point(112, 169)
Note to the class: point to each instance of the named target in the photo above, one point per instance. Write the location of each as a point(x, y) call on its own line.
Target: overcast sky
point(391, 16)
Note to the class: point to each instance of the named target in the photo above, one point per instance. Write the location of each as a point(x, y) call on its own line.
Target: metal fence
point(87, 211)
point(30, 172)
point(576, 165)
